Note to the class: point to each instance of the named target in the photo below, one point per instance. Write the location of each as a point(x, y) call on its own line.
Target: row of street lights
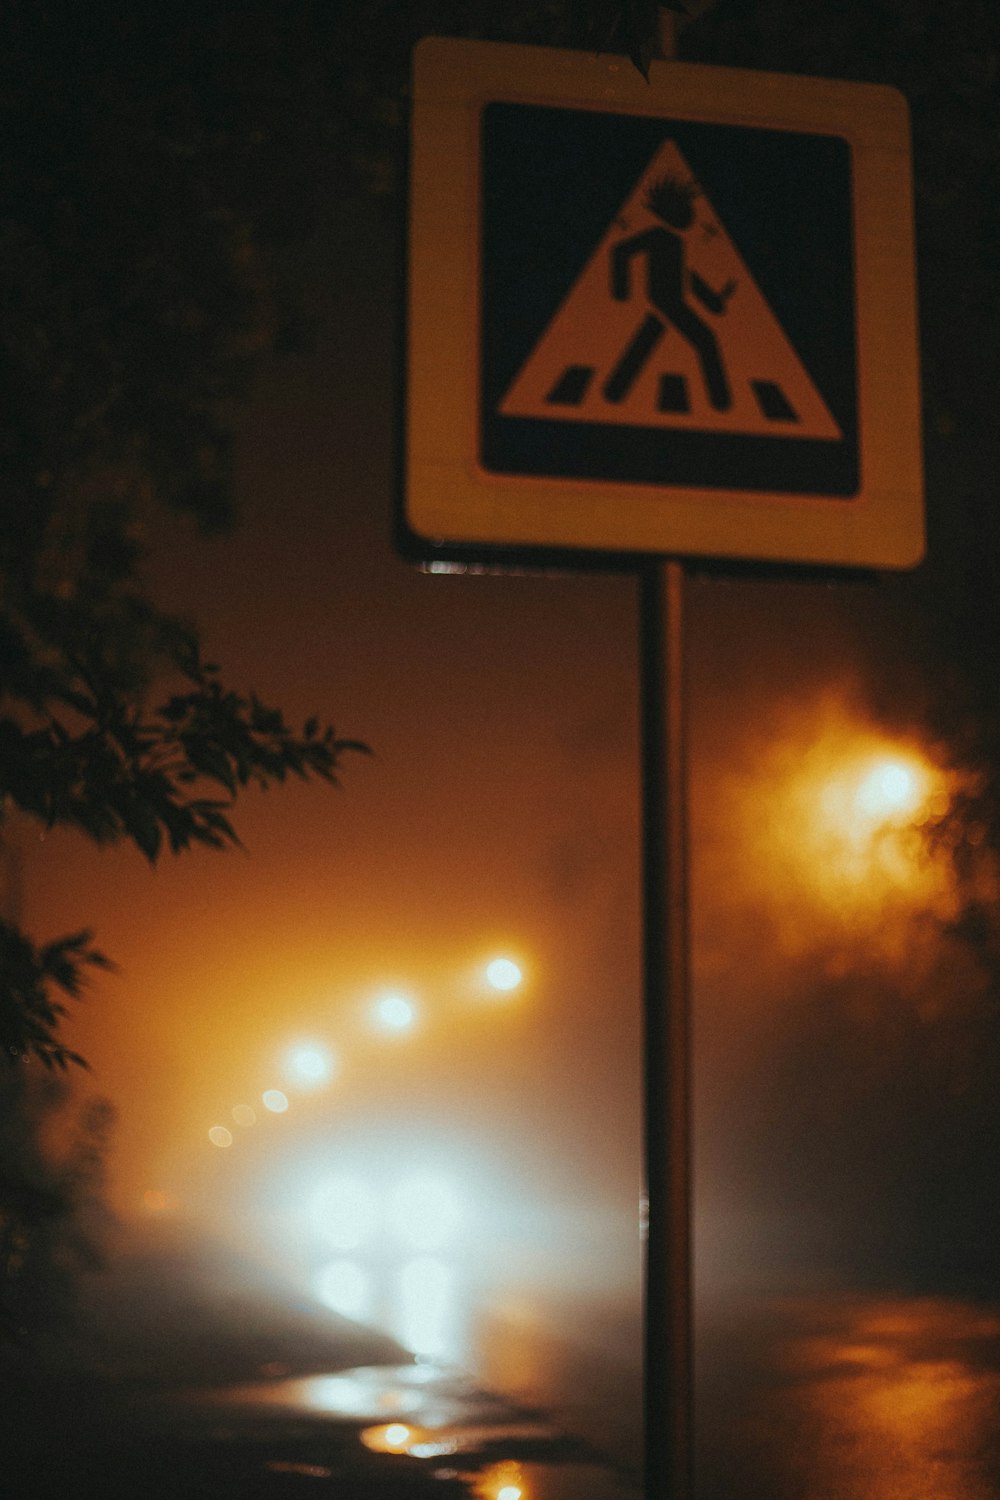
point(312, 1065)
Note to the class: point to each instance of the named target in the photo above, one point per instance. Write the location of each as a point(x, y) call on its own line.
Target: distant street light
point(503, 974)
point(395, 1013)
point(309, 1065)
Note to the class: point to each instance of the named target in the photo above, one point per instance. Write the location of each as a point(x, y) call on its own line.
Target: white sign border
point(450, 499)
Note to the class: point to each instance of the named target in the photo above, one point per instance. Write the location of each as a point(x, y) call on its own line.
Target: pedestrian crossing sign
point(732, 371)
point(673, 318)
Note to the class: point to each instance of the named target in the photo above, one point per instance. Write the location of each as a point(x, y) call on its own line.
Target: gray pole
point(668, 1425)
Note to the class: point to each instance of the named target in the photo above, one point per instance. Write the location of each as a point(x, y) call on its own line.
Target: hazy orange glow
point(892, 791)
point(156, 1202)
point(827, 829)
point(901, 1414)
point(392, 1437)
point(503, 1481)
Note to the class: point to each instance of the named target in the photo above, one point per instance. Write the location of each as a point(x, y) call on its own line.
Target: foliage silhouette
point(148, 178)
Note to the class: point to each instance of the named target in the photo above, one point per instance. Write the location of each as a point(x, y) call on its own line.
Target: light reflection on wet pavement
point(425, 1413)
point(850, 1398)
point(833, 1397)
point(828, 1397)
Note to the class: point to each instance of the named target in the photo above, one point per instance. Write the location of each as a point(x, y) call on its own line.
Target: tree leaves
point(149, 166)
point(80, 748)
point(30, 1007)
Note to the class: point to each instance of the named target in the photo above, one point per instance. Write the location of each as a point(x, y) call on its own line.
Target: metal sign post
point(646, 321)
point(668, 1338)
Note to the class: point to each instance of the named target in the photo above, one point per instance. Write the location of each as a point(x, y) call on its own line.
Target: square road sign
point(675, 318)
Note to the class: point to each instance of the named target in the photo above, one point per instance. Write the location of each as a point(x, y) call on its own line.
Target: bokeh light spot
point(427, 1307)
point(275, 1101)
point(502, 1481)
point(309, 1066)
point(503, 974)
point(889, 790)
point(220, 1136)
point(344, 1212)
point(394, 1437)
point(395, 1013)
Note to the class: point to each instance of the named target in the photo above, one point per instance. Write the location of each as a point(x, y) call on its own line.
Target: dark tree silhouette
point(148, 176)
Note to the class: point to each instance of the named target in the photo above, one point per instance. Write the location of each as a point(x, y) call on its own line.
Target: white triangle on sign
point(666, 328)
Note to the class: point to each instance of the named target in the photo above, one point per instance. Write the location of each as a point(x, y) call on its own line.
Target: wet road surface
point(850, 1397)
point(831, 1396)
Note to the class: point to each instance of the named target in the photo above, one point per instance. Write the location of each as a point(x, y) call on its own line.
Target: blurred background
point(389, 1049)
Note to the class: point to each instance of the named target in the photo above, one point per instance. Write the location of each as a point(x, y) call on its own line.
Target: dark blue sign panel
point(667, 302)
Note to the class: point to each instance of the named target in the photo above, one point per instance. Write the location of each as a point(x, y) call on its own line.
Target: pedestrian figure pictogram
point(665, 327)
point(671, 201)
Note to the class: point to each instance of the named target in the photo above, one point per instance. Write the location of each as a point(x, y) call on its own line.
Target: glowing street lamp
point(395, 1014)
point(867, 845)
point(892, 791)
point(837, 832)
point(309, 1066)
point(503, 974)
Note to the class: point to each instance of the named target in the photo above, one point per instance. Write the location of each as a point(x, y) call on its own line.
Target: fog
point(500, 816)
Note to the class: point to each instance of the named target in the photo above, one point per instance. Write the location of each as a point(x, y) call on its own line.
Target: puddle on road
point(425, 1393)
point(434, 1416)
point(532, 1481)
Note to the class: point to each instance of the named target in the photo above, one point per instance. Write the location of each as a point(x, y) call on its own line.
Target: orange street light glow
point(891, 790)
point(836, 823)
point(503, 1481)
point(870, 815)
point(394, 1437)
point(503, 974)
